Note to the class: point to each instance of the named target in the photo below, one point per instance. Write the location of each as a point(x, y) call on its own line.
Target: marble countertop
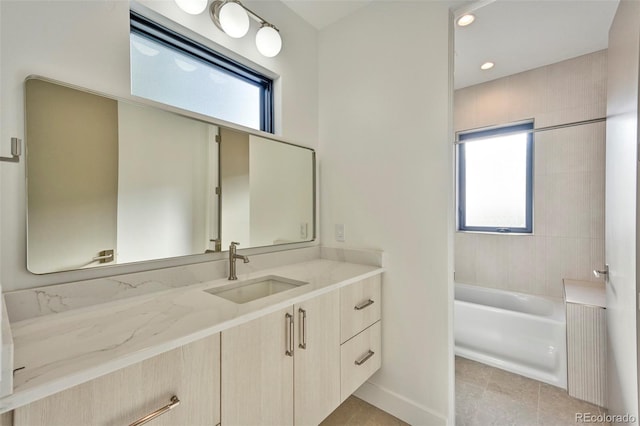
point(59, 351)
point(585, 293)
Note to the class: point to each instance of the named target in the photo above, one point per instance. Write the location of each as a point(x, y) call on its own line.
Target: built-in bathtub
point(517, 332)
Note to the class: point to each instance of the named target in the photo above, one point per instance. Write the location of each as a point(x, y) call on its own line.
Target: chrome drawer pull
point(160, 411)
point(363, 305)
point(365, 358)
point(288, 318)
point(303, 328)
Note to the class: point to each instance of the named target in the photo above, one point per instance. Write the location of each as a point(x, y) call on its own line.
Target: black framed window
point(495, 179)
point(170, 68)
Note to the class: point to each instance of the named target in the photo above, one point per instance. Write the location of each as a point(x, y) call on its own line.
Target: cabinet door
point(191, 373)
point(257, 372)
point(317, 358)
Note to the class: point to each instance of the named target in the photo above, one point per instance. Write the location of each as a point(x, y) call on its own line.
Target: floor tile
point(556, 402)
point(517, 388)
point(497, 408)
point(488, 396)
point(468, 399)
point(343, 413)
point(356, 412)
point(472, 372)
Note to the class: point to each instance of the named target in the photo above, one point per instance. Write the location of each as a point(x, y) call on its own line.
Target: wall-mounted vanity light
point(192, 7)
point(232, 17)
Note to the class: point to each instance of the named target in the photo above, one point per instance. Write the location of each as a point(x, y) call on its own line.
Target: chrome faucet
point(232, 260)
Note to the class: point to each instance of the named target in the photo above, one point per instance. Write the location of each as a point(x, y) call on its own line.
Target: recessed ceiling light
point(487, 66)
point(465, 20)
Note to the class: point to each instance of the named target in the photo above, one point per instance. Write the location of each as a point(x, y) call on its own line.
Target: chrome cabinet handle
point(363, 305)
point(289, 324)
point(302, 314)
point(104, 256)
point(160, 411)
point(598, 273)
point(364, 359)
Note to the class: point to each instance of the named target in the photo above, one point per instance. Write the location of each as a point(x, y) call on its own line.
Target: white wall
point(3, 153)
point(568, 229)
point(163, 189)
point(386, 173)
point(86, 43)
point(623, 211)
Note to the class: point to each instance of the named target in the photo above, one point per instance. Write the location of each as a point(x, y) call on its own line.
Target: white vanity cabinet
point(283, 368)
point(360, 333)
point(291, 366)
point(257, 374)
point(191, 373)
point(317, 358)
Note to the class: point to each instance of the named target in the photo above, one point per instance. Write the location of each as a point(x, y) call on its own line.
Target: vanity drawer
point(359, 306)
point(360, 357)
point(191, 373)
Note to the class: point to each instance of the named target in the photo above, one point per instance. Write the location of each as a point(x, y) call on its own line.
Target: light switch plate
point(339, 232)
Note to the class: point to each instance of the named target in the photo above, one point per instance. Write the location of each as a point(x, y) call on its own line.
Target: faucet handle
point(233, 243)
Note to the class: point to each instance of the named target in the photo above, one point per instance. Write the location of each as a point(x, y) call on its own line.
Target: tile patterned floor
point(355, 411)
point(485, 396)
point(490, 396)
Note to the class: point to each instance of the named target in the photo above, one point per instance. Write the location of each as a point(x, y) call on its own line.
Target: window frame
point(145, 27)
point(475, 136)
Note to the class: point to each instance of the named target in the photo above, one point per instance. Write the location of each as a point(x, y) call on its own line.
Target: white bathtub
point(517, 332)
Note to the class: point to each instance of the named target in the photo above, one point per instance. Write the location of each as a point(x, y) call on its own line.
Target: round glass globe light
point(268, 41)
point(192, 7)
point(234, 20)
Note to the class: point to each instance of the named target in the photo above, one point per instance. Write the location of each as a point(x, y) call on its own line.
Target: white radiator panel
point(587, 353)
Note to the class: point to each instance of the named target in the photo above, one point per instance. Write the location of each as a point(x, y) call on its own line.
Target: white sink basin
point(257, 288)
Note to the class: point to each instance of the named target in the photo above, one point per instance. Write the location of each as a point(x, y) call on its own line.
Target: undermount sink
point(256, 288)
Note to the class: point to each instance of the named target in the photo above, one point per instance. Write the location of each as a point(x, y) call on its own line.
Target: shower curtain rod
point(539, 129)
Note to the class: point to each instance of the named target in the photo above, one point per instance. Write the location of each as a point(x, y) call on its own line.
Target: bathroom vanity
point(191, 355)
point(282, 342)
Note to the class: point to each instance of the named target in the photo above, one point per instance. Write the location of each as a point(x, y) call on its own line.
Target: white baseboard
point(399, 406)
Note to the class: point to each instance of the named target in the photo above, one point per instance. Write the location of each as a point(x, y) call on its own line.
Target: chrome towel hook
point(16, 151)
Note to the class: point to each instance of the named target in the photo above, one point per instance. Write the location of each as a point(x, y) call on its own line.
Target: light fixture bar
point(258, 18)
point(214, 12)
point(232, 18)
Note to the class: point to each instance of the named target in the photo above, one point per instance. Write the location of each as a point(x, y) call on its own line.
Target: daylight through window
point(169, 68)
point(495, 179)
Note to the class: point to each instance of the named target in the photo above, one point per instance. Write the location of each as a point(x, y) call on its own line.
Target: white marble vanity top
point(62, 350)
point(585, 293)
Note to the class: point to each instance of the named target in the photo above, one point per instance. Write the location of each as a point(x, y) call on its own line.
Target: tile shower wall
point(568, 239)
